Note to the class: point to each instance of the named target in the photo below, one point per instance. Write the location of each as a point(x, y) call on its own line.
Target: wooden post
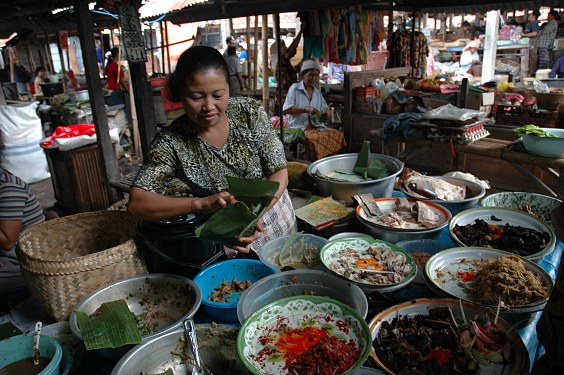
point(151, 48)
point(108, 161)
point(136, 51)
point(256, 54)
point(280, 92)
point(250, 83)
point(61, 55)
point(162, 46)
point(167, 49)
point(265, 89)
point(490, 46)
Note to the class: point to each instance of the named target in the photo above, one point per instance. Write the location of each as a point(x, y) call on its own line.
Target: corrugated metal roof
point(155, 8)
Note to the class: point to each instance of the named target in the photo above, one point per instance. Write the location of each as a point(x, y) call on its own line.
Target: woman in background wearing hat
point(304, 99)
point(469, 56)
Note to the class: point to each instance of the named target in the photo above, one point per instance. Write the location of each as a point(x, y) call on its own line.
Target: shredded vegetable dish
point(506, 279)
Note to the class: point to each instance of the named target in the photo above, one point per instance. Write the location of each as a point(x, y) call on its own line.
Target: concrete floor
point(43, 190)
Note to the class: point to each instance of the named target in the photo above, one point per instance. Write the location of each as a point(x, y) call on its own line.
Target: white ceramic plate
point(506, 216)
point(358, 249)
point(388, 205)
point(444, 272)
point(265, 326)
point(519, 359)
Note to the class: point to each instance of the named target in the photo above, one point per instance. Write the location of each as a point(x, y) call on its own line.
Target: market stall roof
point(219, 9)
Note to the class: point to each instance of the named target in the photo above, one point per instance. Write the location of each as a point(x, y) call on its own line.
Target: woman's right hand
point(212, 203)
point(312, 111)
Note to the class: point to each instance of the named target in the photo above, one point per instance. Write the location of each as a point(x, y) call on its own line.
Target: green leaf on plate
point(111, 326)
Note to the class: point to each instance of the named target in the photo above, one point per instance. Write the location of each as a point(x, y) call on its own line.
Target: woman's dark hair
point(194, 60)
point(38, 69)
point(113, 53)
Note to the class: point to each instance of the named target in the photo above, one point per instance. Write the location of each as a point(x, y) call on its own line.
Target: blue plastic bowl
point(213, 276)
point(20, 347)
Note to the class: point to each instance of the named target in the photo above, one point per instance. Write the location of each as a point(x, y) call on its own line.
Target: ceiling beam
point(234, 9)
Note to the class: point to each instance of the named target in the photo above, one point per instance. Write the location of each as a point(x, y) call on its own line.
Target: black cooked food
point(513, 238)
point(422, 344)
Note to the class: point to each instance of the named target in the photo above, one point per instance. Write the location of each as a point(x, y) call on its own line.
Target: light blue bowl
point(213, 276)
point(20, 347)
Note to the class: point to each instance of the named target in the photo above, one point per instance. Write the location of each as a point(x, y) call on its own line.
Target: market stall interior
point(469, 165)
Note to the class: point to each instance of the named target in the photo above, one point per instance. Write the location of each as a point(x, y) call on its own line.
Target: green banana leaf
point(376, 170)
point(113, 325)
point(238, 220)
point(362, 159)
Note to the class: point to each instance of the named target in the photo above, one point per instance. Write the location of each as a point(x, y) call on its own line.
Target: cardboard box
point(364, 93)
point(475, 100)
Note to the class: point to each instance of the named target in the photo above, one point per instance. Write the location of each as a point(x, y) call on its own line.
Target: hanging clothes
point(399, 48)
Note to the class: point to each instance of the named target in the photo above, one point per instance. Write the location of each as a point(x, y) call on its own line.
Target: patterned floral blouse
point(252, 150)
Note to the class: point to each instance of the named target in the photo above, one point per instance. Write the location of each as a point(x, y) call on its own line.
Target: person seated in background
point(470, 58)
point(465, 31)
point(19, 209)
point(337, 71)
point(558, 69)
point(39, 80)
point(303, 104)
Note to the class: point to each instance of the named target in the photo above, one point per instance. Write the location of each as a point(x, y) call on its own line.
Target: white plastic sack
point(20, 134)
point(67, 144)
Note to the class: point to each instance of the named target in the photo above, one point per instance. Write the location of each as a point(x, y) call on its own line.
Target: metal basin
point(300, 282)
point(344, 191)
point(175, 298)
point(218, 350)
point(474, 192)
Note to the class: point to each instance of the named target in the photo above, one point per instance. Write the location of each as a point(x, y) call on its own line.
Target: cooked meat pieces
point(439, 188)
point(221, 292)
point(426, 216)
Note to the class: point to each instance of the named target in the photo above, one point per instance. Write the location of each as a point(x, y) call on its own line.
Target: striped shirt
point(545, 37)
point(17, 201)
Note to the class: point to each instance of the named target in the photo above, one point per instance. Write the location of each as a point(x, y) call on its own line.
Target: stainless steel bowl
point(218, 350)
point(80, 96)
point(394, 235)
point(344, 191)
point(300, 282)
point(175, 297)
point(474, 192)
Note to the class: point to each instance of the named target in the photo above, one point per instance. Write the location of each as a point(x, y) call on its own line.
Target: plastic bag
point(451, 112)
point(20, 134)
point(67, 138)
point(468, 177)
point(541, 87)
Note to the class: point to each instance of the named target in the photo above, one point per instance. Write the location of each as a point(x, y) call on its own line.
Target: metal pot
point(172, 247)
point(344, 191)
point(80, 96)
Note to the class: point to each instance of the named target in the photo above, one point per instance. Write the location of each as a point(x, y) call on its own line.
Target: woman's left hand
point(247, 241)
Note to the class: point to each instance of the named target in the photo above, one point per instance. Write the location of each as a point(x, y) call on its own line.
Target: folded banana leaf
point(111, 326)
point(238, 220)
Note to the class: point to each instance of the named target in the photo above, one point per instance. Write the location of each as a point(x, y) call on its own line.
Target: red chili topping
point(466, 276)
point(298, 340)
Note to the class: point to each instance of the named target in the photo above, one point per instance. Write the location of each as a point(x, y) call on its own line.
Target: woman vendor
point(304, 99)
point(217, 136)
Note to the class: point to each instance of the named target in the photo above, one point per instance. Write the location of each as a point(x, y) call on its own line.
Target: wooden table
point(490, 148)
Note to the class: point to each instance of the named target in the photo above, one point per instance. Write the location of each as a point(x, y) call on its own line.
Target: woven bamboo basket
point(63, 260)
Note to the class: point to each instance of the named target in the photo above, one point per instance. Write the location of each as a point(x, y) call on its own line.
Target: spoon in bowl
point(190, 332)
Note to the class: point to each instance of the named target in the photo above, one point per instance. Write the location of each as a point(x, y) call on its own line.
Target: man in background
point(545, 40)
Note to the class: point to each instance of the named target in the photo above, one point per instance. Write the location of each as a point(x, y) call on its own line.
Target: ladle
point(190, 332)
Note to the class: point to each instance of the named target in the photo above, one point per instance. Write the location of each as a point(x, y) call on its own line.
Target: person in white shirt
point(470, 57)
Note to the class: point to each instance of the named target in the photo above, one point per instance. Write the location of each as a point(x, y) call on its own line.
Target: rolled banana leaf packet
point(237, 220)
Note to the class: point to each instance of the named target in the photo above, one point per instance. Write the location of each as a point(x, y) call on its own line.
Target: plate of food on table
point(490, 278)
point(442, 336)
point(505, 229)
point(374, 265)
